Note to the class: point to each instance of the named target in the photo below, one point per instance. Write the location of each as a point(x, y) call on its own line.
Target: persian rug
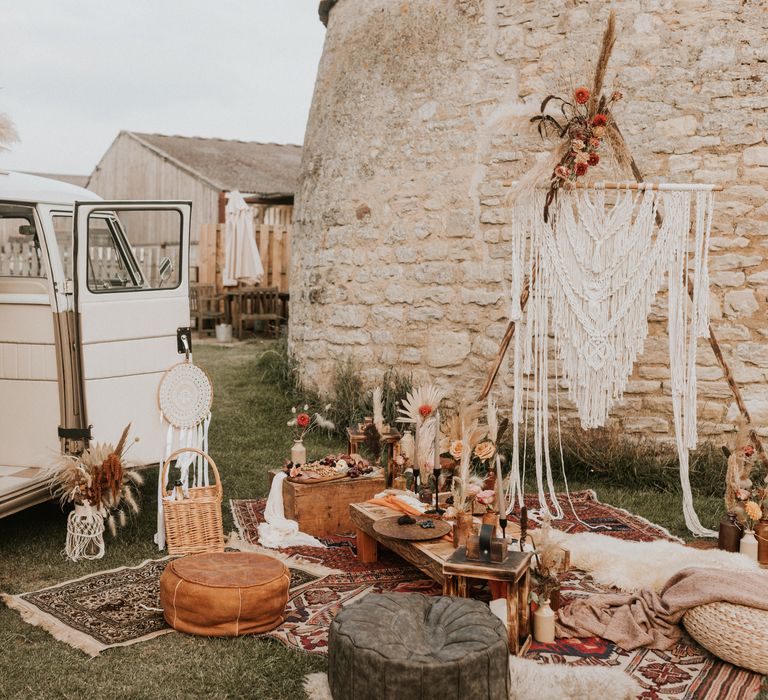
point(100, 611)
point(686, 672)
point(121, 606)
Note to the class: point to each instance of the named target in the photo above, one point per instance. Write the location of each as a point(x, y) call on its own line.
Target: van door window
point(134, 249)
point(20, 253)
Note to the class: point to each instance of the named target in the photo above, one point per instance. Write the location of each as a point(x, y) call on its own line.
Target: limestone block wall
point(419, 124)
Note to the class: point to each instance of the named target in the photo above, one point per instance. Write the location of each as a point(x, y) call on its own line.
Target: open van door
point(131, 301)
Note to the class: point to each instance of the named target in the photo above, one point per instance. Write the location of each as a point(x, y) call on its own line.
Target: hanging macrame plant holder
point(85, 533)
point(594, 270)
point(185, 396)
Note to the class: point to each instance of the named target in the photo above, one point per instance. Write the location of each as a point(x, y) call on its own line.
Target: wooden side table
point(515, 572)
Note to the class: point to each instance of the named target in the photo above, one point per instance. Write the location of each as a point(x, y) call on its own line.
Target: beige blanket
point(648, 619)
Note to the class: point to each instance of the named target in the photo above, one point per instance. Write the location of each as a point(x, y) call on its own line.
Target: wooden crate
point(323, 509)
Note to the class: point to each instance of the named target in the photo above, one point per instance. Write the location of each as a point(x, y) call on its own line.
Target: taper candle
point(437, 440)
point(500, 500)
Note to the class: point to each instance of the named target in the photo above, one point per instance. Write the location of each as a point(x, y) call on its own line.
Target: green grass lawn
point(248, 437)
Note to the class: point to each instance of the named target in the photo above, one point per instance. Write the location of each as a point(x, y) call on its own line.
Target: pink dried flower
point(486, 497)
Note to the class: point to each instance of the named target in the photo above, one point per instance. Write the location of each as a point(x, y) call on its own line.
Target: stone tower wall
point(418, 125)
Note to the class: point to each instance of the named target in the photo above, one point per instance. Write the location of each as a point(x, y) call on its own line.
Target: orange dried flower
point(600, 120)
point(581, 95)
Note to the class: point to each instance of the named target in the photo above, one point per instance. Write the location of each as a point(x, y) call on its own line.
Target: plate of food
point(329, 468)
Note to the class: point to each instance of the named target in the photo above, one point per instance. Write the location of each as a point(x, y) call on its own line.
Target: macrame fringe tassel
point(599, 268)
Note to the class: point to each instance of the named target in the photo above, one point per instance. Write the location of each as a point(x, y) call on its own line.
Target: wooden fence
point(22, 259)
point(273, 242)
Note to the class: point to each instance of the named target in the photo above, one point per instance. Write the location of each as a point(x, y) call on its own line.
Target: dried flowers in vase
point(102, 487)
point(304, 421)
point(417, 408)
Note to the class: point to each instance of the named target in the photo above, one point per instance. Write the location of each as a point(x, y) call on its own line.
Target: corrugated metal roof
point(264, 169)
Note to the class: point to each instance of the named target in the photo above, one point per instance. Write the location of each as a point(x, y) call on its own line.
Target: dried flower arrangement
point(303, 422)
point(549, 562)
point(583, 123)
point(747, 486)
point(99, 478)
point(419, 409)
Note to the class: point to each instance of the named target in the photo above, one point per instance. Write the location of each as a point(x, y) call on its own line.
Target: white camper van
point(90, 318)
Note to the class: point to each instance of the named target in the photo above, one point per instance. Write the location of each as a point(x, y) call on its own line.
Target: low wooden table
point(514, 571)
point(431, 558)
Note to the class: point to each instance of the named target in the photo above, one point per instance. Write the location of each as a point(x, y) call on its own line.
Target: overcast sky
point(75, 72)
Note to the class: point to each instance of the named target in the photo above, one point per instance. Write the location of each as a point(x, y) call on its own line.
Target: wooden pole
point(717, 352)
point(505, 341)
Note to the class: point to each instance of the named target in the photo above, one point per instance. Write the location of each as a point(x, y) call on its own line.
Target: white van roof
point(21, 187)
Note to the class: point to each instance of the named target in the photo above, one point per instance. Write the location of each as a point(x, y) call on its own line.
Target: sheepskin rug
point(529, 679)
point(633, 566)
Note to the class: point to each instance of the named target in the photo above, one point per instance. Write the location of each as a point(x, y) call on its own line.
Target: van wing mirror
point(165, 270)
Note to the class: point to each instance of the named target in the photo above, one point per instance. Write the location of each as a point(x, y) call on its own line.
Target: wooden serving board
point(305, 479)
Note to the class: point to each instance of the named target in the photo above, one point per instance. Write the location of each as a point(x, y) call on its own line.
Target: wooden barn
point(156, 166)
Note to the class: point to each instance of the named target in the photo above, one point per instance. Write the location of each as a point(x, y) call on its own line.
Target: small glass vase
point(544, 623)
point(748, 545)
point(463, 528)
point(298, 453)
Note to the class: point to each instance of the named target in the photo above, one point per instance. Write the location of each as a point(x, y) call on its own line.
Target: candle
point(416, 447)
point(437, 440)
point(500, 489)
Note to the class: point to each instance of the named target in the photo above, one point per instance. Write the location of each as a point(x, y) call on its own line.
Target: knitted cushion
point(408, 645)
point(224, 594)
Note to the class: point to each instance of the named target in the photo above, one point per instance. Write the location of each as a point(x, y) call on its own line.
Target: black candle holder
point(503, 525)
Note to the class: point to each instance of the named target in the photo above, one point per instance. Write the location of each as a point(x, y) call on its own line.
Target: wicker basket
point(193, 524)
point(734, 633)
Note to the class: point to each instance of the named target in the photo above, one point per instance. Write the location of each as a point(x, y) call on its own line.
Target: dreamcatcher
point(184, 397)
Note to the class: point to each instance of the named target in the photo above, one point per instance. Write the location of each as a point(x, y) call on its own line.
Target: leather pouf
point(224, 594)
point(398, 646)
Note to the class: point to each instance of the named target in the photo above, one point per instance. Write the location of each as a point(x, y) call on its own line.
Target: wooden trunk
point(323, 509)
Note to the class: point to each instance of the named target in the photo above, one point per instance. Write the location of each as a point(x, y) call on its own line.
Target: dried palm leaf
point(378, 408)
point(8, 133)
point(408, 447)
point(420, 403)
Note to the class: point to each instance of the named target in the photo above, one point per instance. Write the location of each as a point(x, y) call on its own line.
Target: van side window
point(20, 253)
point(134, 249)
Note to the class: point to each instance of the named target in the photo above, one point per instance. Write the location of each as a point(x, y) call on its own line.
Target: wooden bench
point(257, 305)
point(205, 307)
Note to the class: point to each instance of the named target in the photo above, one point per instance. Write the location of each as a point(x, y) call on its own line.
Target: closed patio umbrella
point(241, 256)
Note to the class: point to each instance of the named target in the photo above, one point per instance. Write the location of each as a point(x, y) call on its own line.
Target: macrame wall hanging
point(588, 262)
point(595, 268)
point(184, 397)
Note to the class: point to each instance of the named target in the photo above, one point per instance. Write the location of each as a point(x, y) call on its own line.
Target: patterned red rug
point(687, 672)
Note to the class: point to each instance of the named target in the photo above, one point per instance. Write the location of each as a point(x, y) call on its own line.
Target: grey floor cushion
point(398, 646)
